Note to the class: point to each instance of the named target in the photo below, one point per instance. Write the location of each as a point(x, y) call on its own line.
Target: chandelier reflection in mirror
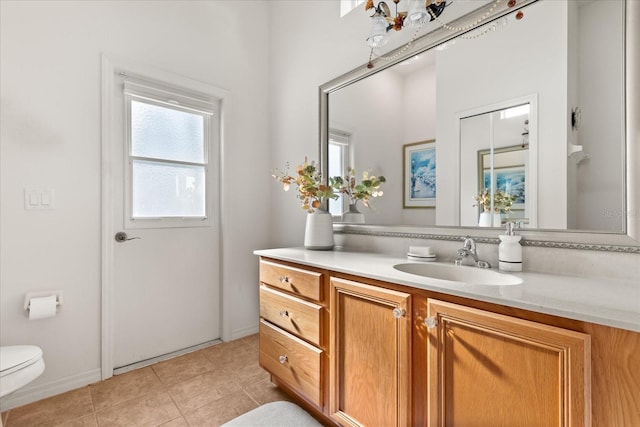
point(382, 21)
point(419, 13)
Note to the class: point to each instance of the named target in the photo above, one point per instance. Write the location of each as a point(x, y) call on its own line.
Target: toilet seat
point(19, 365)
point(15, 357)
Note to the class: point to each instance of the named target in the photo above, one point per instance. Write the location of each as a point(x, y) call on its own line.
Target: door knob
point(431, 322)
point(398, 312)
point(121, 236)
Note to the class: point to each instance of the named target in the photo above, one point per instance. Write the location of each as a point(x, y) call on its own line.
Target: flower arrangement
point(502, 201)
point(312, 190)
point(369, 186)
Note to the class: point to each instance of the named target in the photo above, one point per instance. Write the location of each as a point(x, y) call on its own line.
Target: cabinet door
point(370, 355)
point(492, 370)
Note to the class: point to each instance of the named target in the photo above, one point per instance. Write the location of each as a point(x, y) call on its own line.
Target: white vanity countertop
point(597, 300)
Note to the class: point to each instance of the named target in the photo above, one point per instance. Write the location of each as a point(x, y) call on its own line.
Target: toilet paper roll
point(42, 307)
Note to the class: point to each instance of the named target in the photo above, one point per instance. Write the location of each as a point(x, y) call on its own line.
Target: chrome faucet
point(469, 249)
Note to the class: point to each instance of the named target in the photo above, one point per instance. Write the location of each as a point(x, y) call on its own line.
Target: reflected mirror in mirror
point(566, 55)
point(496, 175)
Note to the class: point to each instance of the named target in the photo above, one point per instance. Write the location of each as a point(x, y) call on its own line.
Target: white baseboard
point(244, 332)
point(34, 393)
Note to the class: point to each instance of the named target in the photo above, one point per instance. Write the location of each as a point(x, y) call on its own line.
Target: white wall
point(382, 113)
point(599, 204)
point(372, 113)
point(310, 45)
point(419, 124)
point(50, 93)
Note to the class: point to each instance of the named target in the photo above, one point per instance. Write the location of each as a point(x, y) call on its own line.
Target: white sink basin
point(464, 274)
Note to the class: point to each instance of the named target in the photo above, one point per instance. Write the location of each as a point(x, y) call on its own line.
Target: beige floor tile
point(227, 357)
point(53, 410)
point(221, 411)
point(88, 421)
point(152, 409)
point(203, 389)
point(121, 388)
point(241, 345)
point(264, 391)
point(250, 341)
point(248, 371)
point(183, 367)
point(178, 422)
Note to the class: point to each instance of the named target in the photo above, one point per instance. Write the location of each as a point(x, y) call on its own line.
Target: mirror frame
point(583, 240)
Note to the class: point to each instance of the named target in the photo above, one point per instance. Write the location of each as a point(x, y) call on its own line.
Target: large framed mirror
point(573, 64)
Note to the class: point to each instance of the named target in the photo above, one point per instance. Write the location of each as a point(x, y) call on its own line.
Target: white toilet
point(19, 365)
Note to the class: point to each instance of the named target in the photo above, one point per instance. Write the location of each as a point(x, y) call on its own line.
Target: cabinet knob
point(284, 313)
point(399, 312)
point(284, 279)
point(431, 322)
point(282, 359)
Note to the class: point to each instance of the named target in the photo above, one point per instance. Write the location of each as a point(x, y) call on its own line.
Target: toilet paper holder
point(40, 294)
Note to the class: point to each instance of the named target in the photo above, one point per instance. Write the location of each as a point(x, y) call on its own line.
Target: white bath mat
point(275, 414)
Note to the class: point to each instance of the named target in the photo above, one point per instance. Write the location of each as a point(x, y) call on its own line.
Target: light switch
point(36, 199)
point(45, 198)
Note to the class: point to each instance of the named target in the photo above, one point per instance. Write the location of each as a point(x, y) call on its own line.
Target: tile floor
point(204, 388)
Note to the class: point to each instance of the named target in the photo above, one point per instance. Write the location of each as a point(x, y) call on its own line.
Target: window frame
point(346, 6)
point(158, 94)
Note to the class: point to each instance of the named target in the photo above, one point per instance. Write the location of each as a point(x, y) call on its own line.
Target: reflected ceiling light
point(382, 21)
point(520, 110)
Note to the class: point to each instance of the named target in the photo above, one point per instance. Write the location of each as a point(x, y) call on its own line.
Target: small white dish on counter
point(424, 258)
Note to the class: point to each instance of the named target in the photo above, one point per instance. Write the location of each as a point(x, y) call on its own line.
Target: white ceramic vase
point(353, 216)
point(497, 220)
point(485, 219)
point(318, 232)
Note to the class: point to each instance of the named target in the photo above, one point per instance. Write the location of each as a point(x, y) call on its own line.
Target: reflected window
point(339, 147)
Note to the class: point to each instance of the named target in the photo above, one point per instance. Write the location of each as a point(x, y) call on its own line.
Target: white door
point(165, 282)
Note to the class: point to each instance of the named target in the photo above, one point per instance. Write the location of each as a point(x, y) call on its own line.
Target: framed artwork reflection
point(509, 180)
point(419, 174)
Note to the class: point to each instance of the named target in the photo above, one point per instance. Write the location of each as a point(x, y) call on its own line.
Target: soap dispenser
point(510, 251)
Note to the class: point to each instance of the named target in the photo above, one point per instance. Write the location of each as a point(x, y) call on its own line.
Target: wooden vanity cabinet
point(293, 347)
point(370, 368)
point(487, 369)
point(359, 353)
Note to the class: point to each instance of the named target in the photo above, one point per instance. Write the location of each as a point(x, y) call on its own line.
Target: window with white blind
point(168, 141)
point(339, 148)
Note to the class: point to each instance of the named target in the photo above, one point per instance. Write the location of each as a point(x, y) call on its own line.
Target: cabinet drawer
point(292, 360)
point(300, 282)
point(293, 314)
